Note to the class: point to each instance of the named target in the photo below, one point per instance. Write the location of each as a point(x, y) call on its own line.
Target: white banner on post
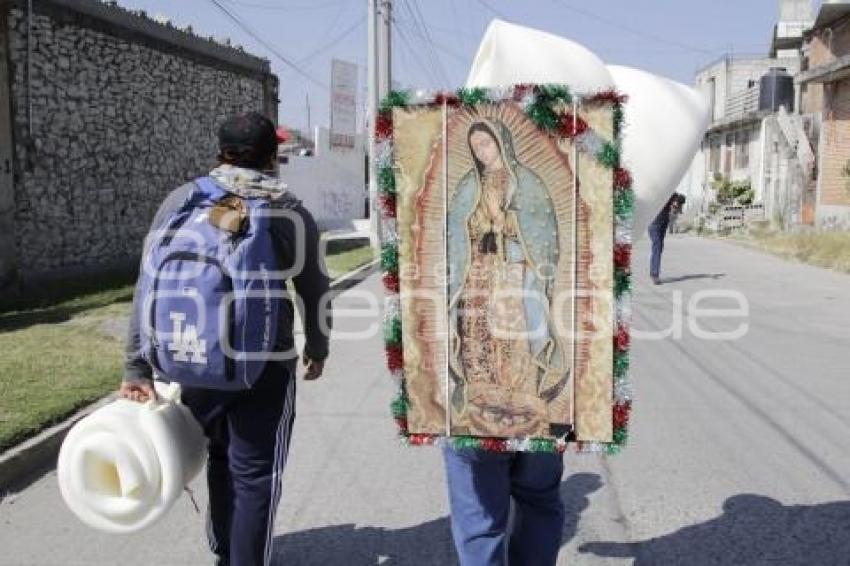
point(343, 104)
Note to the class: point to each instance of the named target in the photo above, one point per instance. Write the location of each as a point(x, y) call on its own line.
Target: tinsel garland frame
point(549, 107)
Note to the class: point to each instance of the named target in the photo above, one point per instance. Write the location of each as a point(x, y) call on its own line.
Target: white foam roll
point(511, 54)
point(121, 468)
point(664, 124)
point(665, 120)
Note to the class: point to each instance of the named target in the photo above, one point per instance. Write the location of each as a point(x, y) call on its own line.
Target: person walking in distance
point(227, 243)
point(674, 216)
point(657, 232)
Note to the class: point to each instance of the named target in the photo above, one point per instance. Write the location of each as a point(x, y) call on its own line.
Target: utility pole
point(309, 122)
point(380, 83)
point(372, 79)
point(385, 71)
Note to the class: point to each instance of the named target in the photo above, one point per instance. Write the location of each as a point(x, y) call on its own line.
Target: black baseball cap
point(249, 131)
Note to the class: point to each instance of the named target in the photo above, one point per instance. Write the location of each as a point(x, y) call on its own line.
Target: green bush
point(737, 192)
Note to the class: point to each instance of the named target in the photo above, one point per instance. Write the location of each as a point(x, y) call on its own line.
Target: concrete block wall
point(752, 69)
point(331, 183)
point(732, 75)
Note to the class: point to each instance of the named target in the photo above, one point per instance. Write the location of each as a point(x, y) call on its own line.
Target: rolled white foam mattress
point(121, 468)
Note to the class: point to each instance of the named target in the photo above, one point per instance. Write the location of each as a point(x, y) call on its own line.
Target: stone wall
point(110, 118)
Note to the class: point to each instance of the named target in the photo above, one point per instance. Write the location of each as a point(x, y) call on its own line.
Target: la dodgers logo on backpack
point(211, 302)
point(186, 346)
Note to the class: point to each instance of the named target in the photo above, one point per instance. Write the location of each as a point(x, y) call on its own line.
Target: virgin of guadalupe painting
point(506, 361)
point(496, 246)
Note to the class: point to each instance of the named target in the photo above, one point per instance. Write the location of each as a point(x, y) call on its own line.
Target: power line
point(427, 62)
point(444, 30)
point(493, 10)
point(444, 49)
point(635, 31)
point(612, 23)
point(467, 19)
point(333, 42)
point(455, 21)
point(431, 42)
point(413, 55)
point(427, 70)
point(424, 24)
point(330, 28)
point(454, 54)
point(285, 60)
point(414, 28)
point(439, 46)
point(420, 30)
point(312, 6)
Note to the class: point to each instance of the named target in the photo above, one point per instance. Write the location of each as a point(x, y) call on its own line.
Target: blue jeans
point(656, 234)
point(481, 486)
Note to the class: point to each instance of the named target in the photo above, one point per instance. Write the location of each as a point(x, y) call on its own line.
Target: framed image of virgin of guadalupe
point(506, 257)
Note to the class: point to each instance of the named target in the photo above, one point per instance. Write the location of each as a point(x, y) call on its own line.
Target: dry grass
point(824, 249)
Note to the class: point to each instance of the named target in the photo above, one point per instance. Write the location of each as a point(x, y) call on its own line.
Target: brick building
point(825, 91)
point(754, 138)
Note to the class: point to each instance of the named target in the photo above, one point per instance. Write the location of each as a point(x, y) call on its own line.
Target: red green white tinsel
point(550, 107)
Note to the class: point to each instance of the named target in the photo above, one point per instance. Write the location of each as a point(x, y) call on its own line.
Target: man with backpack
point(211, 312)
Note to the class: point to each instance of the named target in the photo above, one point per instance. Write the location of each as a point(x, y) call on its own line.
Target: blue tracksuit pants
point(481, 488)
point(249, 436)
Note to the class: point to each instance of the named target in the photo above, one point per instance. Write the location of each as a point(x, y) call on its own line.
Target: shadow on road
point(693, 276)
point(753, 530)
point(421, 545)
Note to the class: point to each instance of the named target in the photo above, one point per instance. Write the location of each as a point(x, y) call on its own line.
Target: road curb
point(35, 454)
point(25, 462)
point(355, 276)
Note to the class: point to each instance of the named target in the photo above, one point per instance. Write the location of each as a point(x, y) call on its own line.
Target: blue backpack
point(211, 297)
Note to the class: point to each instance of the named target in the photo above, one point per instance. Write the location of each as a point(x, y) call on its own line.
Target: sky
point(435, 41)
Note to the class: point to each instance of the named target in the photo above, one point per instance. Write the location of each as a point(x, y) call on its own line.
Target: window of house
point(742, 150)
point(714, 156)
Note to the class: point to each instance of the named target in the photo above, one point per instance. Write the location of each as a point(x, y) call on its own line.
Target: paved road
point(739, 452)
